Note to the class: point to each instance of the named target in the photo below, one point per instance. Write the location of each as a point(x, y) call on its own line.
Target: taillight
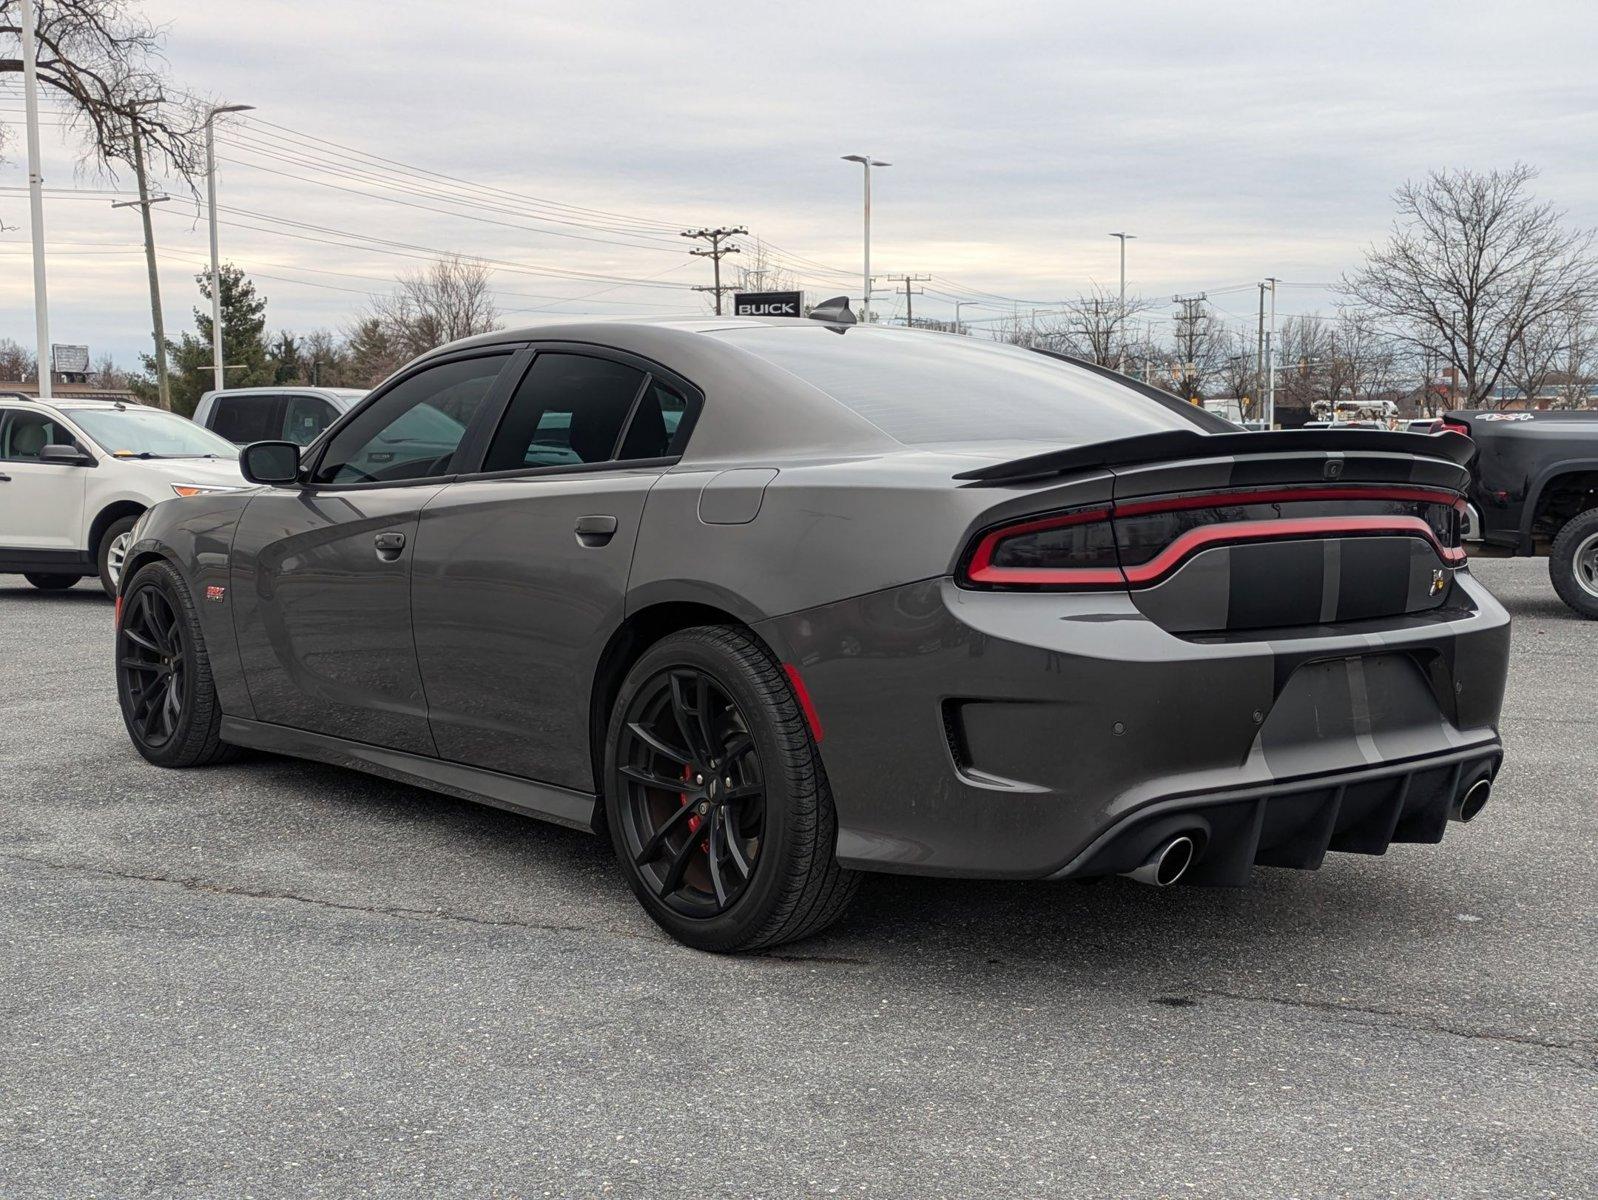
point(1139, 543)
point(1459, 427)
point(1062, 551)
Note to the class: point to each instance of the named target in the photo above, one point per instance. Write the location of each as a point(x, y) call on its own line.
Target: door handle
point(389, 545)
point(595, 531)
point(5, 479)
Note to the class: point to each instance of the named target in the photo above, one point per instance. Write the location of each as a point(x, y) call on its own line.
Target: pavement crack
point(1396, 1018)
point(195, 884)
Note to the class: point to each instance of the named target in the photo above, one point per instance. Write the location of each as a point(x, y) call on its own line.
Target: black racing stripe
point(1375, 580)
point(1275, 584)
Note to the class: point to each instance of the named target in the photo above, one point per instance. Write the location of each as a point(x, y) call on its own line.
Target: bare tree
point(1094, 326)
point(1574, 381)
point(106, 374)
point(104, 57)
point(1303, 356)
point(17, 364)
point(1235, 370)
point(1535, 358)
point(755, 270)
point(448, 300)
point(1474, 261)
point(1361, 363)
point(1200, 337)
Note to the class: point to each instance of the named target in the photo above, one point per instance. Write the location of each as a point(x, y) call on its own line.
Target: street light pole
point(1121, 314)
point(866, 161)
point(41, 303)
point(210, 204)
point(1270, 360)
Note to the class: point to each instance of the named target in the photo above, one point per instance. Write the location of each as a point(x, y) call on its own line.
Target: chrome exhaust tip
point(1167, 864)
point(1471, 801)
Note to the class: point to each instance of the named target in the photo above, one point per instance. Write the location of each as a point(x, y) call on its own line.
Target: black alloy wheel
point(696, 803)
point(164, 685)
point(150, 665)
point(718, 807)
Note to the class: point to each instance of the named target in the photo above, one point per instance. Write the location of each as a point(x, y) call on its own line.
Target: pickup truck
point(1534, 490)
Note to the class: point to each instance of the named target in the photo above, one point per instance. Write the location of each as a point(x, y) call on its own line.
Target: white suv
point(76, 474)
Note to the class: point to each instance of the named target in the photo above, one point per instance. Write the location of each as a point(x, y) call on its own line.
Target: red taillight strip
point(1049, 576)
point(1288, 495)
point(981, 569)
point(1256, 531)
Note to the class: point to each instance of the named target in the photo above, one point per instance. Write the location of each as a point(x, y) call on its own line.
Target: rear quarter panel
point(824, 531)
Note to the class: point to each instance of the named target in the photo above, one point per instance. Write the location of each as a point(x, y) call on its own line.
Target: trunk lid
point(1235, 532)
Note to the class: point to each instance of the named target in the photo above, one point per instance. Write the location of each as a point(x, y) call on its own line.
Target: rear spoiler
point(1185, 443)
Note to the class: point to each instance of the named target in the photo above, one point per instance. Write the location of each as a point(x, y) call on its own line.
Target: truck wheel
point(1573, 563)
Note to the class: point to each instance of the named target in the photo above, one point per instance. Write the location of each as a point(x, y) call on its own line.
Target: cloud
point(1236, 141)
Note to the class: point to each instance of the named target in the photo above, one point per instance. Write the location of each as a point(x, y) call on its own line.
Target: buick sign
point(768, 304)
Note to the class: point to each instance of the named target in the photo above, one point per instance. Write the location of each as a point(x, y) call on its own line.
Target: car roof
point(69, 403)
point(295, 389)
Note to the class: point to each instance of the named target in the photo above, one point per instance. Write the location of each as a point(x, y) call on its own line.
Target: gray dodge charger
point(772, 602)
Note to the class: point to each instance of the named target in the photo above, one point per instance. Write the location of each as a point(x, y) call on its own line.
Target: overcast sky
point(1235, 142)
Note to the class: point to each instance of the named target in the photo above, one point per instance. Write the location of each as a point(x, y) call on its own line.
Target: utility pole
point(1121, 316)
point(1259, 358)
point(1270, 360)
point(143, 203)
point(907, 280)
point(41, 303)
point(1187, 327)
point(715, 237)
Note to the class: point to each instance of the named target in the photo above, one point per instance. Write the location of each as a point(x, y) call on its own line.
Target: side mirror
point(270, 462)
point(64, 455)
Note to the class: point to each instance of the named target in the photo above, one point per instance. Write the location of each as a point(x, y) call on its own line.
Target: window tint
point(569, 409)
point(920, 388)
point(661, 425)
point(412, 430)
point(246, 419)
point(23, 434)
point(305, 417)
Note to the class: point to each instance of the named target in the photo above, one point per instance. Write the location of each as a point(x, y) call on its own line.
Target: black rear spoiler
point(1184, 443)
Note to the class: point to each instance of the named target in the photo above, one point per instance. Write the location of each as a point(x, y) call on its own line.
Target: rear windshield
point(921, 388)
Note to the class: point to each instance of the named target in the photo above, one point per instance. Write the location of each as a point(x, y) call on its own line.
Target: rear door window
point(568, 410)
point(304, 417)
point(246, 419)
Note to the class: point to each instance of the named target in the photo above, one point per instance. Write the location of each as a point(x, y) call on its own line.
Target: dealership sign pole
point(41, 303)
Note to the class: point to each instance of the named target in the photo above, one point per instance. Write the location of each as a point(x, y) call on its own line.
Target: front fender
point(194, 537)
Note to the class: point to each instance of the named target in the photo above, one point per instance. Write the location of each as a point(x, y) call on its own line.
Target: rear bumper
point(1017, 735)
point(1293, 823)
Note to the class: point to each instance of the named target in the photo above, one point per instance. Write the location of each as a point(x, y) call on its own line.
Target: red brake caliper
point(694, 822)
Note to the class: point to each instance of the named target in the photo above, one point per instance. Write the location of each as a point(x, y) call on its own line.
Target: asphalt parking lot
point(284, 979)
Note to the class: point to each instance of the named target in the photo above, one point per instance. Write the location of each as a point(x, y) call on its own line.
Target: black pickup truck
point(1534, 490)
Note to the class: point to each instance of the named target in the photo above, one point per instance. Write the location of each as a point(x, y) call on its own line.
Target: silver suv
point(274, 414)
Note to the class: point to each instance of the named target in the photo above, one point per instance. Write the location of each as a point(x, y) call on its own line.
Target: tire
point(1573, 563)
point(763, 758)
point(111, 551)
point(52, 583)
point(164, 686)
